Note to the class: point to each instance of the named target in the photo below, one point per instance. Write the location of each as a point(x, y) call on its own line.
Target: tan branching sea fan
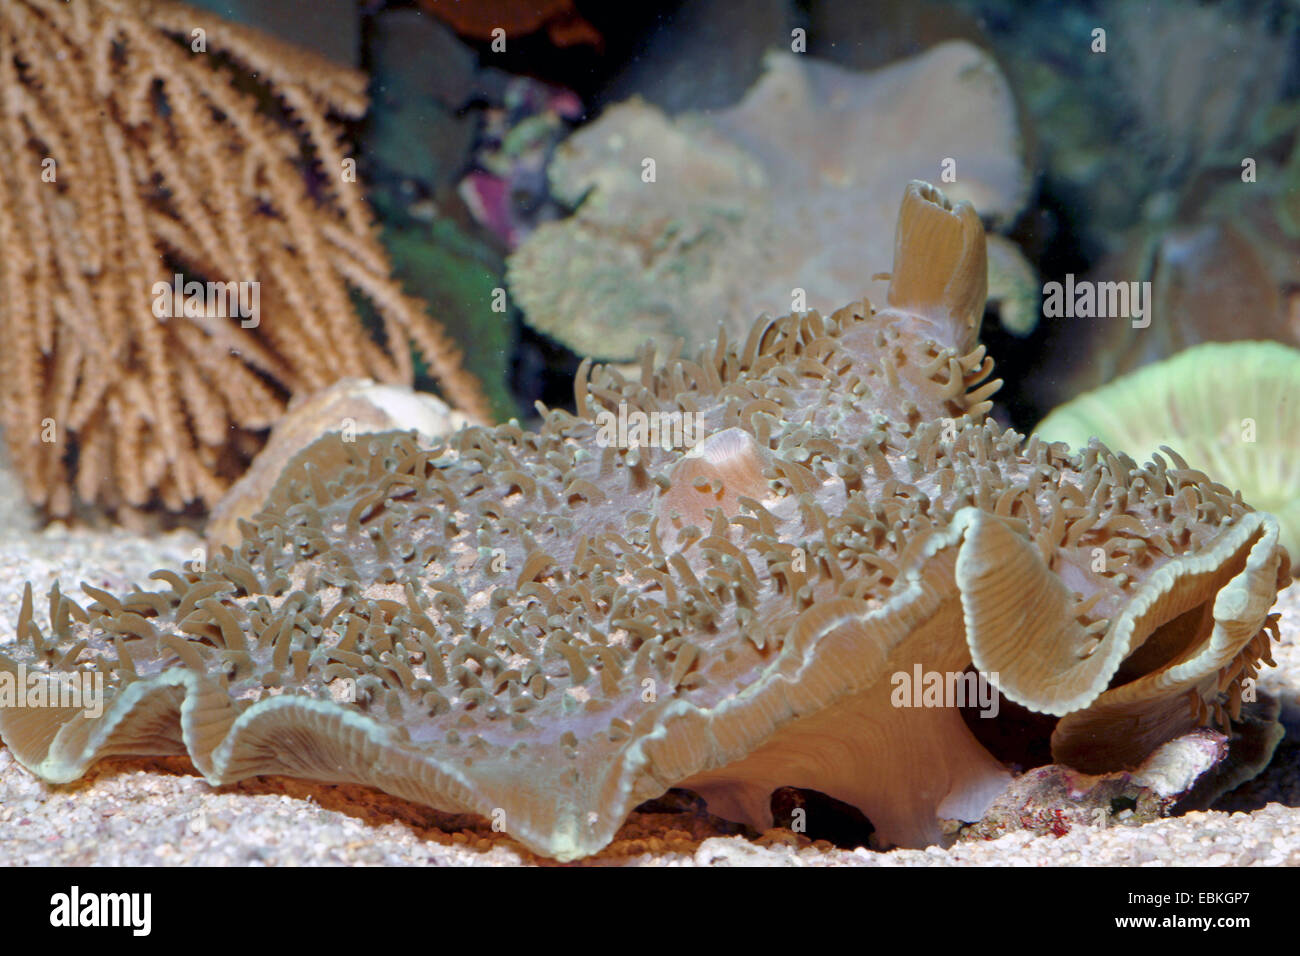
point(140, 140)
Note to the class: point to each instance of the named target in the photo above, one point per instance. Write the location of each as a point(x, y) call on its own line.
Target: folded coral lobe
point(549, 627)
point(940, 265)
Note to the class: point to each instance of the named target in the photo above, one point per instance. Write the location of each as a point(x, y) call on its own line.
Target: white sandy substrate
point(131, 812)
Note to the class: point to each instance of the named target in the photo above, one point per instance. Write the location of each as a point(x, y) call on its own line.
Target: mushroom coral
point(785, 191)
point(1242, 430)
point(549, 628)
